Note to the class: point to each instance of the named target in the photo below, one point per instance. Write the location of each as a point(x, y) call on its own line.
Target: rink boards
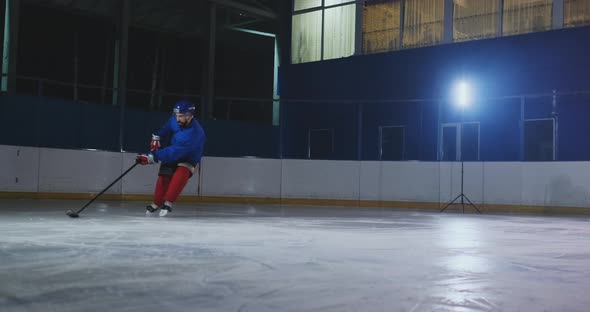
point(503, 186)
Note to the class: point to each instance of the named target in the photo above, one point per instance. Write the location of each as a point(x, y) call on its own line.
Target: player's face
point(183, 119)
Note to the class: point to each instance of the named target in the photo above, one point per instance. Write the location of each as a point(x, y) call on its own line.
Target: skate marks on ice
point(211, 259)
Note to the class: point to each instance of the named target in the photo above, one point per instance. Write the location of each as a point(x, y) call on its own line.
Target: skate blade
point(163, 212)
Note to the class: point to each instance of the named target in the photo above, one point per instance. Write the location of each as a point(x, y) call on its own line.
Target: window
point(475, 19)
point(459, 142)
point(306, 4)
point(320, 143)
point(337, 19)
point(539, 139)
point(381, 26)
point(339, 29)
point(576, 13)
point(449, 142)
point(423, 22)
point(392, 143)
point(306, 38)
point(470, 142)
point(335, 2)
point(526, 16)
point(327, 29)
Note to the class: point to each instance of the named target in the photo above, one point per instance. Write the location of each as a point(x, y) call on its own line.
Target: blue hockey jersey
point(186, 144)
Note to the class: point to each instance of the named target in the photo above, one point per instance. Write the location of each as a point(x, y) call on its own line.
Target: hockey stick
point(76, 214)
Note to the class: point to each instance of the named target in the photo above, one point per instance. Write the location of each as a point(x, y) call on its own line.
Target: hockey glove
point(145, 159)
point(155, 143)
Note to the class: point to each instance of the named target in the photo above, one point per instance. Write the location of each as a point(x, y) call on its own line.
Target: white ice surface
point(270, 258)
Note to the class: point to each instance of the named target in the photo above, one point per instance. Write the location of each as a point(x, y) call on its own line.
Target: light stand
point(462, 195)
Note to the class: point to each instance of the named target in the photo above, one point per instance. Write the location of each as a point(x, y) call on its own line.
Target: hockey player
point(179, 160)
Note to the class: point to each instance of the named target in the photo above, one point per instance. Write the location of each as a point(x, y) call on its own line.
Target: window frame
point(554, 139)
point(403, 127)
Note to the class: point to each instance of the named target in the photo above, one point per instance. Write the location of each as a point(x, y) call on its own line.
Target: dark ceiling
point(180, 17)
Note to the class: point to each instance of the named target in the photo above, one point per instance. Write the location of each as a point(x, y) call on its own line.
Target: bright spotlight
point(462, 94)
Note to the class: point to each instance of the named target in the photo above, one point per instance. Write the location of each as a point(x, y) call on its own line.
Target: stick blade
point(72, 214)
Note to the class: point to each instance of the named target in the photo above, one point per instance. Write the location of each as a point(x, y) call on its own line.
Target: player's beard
point(184, 124)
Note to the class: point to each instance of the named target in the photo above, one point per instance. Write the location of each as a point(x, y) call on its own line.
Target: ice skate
point(165, 210)
point(150, 210)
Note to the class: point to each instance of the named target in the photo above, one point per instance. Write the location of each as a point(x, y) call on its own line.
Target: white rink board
point(503, 182)
point(556, 184)
point(449, 177)
point(78, 171)
point(253, 177)
point(29, 169)
point(370, 176)
point(473, 181)
point(19, 168)
point(409, 181)
point(320, 179)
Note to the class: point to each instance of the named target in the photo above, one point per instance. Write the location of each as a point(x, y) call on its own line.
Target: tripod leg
point(462, 201)
point(474, 206)
point(452, 201)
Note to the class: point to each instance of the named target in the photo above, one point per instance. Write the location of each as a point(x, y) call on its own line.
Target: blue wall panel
point(49, 122)
point(500, 67)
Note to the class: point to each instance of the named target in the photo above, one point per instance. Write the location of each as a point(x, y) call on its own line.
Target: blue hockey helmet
point(184, 107)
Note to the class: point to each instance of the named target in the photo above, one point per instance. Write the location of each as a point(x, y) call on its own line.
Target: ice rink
point(213, 257)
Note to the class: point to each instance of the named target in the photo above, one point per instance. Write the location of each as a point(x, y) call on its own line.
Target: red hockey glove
point(145, 159)
point(155, 144)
